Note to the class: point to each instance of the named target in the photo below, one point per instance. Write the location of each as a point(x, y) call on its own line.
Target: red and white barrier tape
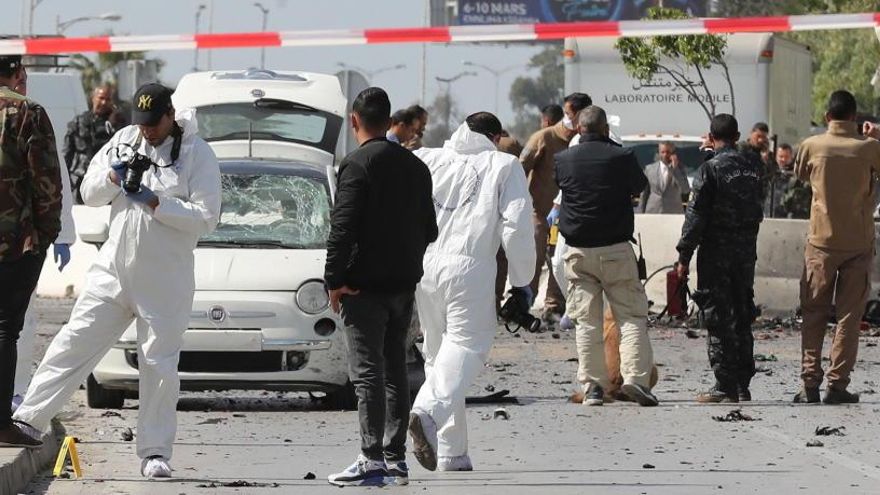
point(450, 34)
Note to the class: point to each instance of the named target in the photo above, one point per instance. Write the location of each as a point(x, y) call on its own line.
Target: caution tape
point(447, 34)
point(67, 447)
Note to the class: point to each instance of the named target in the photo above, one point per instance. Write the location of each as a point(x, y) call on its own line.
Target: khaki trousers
point(610, 270)
point(844, 278)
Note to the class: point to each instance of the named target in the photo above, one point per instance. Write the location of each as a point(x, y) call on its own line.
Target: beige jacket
point(537, 158)
point(840, 166)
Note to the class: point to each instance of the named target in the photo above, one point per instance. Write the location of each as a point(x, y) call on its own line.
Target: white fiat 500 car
point(260, 317)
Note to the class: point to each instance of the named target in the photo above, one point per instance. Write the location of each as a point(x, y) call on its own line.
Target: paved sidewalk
point(19, 466)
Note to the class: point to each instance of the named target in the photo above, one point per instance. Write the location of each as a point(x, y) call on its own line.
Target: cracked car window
point(287, 210)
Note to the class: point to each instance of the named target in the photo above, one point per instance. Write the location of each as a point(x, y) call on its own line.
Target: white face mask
point(566, 121)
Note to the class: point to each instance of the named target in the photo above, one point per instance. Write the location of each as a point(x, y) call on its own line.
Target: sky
point(473, 93)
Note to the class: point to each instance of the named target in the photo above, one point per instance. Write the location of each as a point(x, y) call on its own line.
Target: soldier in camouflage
point(722, 219)
point(788, 197)
point(30, 219)
point(87, 133)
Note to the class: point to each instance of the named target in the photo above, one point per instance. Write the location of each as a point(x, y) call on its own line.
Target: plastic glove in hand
point(527, 293)
point(553, 216)
point(62, 255)
point(118, 169)
point(145, 196)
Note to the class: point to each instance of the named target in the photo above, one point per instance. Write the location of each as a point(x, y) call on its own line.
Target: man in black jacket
point(722, 218)
point(381, 225)
point(598, 180)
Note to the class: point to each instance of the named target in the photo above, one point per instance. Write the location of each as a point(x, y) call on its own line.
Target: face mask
point(568, 123)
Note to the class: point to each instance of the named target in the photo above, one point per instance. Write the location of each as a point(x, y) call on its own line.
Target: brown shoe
point(839, 396)
point(12, 436)
point(716, 395)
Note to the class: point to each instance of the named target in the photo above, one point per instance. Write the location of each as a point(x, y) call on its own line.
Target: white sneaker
point(423, 431)
point(398, 472)
point(364, 472)
point(16, 402)
point(155, 467)
point(456, 463)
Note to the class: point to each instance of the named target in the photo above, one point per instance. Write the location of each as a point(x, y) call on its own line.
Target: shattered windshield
point(268, 210)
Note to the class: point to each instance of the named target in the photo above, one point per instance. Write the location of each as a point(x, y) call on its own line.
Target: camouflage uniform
point(30, 189)
point(788, 197)
point(722, 218)
point(86, 134)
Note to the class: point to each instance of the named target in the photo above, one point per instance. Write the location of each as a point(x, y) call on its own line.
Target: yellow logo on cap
point(145, 102)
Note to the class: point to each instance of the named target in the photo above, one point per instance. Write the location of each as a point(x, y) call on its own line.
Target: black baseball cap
point(150, 103)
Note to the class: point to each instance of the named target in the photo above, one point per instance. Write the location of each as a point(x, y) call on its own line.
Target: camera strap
point(176, 134)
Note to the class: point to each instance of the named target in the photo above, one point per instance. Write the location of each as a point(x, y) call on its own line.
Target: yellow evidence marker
point(69, 446)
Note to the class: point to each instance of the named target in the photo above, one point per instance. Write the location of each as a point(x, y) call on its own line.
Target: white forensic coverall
point(144, 272)
point(482, 201)
point(29, 331)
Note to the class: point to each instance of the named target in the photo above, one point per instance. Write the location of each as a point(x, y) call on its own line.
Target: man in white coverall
point(482, 201)
point(144, 271)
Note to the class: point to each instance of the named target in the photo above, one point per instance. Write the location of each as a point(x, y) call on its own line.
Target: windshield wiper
point(257, 243)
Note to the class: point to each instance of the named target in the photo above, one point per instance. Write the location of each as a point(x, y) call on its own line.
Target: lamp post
point(447, 111)
point(495, 72)
point(371, 73)
point(199, 10)
point(60, 27)
point(265, 12)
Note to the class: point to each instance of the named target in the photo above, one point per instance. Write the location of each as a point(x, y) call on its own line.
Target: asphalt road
point(270, 443)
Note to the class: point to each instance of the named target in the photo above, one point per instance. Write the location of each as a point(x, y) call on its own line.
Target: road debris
point(237, 484)
point(501, 413)
point(309, 476)
point(734, 416)
point(692, 334)
point(212, 421)
point(762, 358)
point(648, 466)
point(110, 414)
point(127, 435)
point(827, 431)
point(815, 443)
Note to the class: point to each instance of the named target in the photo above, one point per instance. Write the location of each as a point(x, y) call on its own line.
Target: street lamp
point(447, 111)
point(495, 72)
point(60, 27)
point(371, 73)
point(265, 12)
point(199, 10)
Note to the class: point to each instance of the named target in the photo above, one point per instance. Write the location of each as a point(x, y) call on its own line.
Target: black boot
point(839, 396)
point(807, 395)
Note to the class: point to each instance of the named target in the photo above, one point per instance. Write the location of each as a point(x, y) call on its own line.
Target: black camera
point(134, 172)
point(515, 311)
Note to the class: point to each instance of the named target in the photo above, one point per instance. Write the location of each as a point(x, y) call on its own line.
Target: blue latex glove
point(145, 196)
point(62, 255)
point(527, 291)
point(553, 216)
point(119, 169)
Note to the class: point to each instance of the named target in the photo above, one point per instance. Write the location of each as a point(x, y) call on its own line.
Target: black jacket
point(726, 208)
point(598, 179)
point(383, 220)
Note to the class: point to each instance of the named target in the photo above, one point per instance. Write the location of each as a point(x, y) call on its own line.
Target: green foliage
point(529, 94)
point(672, 56)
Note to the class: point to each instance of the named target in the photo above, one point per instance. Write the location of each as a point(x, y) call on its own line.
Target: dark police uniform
point(722, 218)
point(86, 134)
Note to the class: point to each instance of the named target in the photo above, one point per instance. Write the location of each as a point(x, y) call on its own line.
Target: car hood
point(257, 269)
point(271, 150)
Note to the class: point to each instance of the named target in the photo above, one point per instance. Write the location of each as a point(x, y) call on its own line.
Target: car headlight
point(312, 297)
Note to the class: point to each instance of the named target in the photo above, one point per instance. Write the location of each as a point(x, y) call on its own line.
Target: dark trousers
point(18, 279)
point(726, 281)
point(376, 327)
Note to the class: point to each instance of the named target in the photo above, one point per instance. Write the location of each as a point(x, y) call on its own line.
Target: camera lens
point(132, 181)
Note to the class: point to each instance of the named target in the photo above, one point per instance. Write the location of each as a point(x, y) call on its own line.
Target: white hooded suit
point(482, 202)
point(145, 272)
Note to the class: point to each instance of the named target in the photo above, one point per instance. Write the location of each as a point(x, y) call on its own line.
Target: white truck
point(771, 78)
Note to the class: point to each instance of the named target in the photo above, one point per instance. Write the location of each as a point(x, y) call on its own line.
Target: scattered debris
point(827, 431)
point(309, 476)
point(212, 421)
point(501, 413)
point(648, 466)
point(110, 414)
point(815, 443)
point(554, 335)
point(237, 484)
point(763, 358)
point(127, 435)
point(500, 397)
point(239, 415)
point(490, 388)
point(692, 334)
point(734, 416)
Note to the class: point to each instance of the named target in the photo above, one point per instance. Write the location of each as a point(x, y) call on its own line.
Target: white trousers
point(95, 325)
point(456, 304)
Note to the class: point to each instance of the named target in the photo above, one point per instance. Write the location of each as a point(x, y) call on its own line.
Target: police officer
point(722, 219)
point(87, 133)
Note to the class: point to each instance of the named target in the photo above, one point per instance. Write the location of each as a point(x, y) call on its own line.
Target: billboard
point(470, 12)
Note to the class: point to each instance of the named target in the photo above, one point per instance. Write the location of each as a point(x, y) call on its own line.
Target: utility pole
point(210, 27)
point(447, 111)
point(265, 12)
point(199, 10)
point(423, 79)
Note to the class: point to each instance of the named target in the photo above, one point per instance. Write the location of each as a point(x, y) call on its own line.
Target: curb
point(19, 466)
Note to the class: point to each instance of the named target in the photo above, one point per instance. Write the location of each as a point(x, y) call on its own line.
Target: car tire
point(343, 398)
point(99, 397)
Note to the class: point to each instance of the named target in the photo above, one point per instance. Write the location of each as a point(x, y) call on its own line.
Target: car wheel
point(99, 397)
point(343, 398)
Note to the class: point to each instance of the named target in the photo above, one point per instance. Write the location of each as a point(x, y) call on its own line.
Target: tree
point(676, 57)
point(530, 94)
point(445, 118)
